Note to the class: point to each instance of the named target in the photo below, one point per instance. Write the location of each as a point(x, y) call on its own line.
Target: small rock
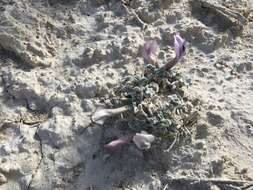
point(86, 90)
point(3, 179)
point(248, 66)
point(244, 171)
point(87, 105)
point(201, 130)
point(171, 18)
point(87, 56)
point(200, 144)
point(240, 68)
point(99, 54)
point(215, 119)
point(205, 70)
point(217, 167)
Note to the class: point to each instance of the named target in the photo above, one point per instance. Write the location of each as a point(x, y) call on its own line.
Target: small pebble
point(3, 179)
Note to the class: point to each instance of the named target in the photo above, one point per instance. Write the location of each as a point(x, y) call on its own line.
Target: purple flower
point(142, 140)
point(149, 51)
point(115, 145)
point(179, 44)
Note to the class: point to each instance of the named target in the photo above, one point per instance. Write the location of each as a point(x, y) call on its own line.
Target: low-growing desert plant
point(153, 104)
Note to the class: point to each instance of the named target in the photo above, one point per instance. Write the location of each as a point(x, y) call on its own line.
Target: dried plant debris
point(28, 118)
point(35, 117)
point(224, 18)
point(208, 183)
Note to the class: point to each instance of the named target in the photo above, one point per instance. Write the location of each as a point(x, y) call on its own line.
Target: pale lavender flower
point(115, 145)
point(143, 140)
point(179, 45)
point(149, 51)
point(101, 114)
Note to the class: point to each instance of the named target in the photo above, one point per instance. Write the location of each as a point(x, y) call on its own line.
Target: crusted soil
point(58, 58)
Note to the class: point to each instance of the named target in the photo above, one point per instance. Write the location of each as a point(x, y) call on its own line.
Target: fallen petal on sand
point(143, 140)
point(101, 114)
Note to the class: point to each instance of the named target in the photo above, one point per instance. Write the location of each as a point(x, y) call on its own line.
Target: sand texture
point(59, 58)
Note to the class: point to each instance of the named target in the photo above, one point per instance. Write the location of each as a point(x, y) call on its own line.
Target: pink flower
point(142, 140)
point(115, 145)
point(179, 44)
point(150, 51)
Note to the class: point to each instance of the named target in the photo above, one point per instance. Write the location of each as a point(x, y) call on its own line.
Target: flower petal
point(100, 115)
point(149, 50)
point(153, 46)
point(143, 140)
point(179, 44)
point(179, 39)
point(118, 143)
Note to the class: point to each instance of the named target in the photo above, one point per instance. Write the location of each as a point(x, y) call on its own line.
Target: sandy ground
point(58, 58)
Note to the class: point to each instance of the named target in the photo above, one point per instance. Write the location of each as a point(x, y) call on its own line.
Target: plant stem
point(170, 64)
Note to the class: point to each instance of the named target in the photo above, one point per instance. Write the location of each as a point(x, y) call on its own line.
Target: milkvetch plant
point(153, 104)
